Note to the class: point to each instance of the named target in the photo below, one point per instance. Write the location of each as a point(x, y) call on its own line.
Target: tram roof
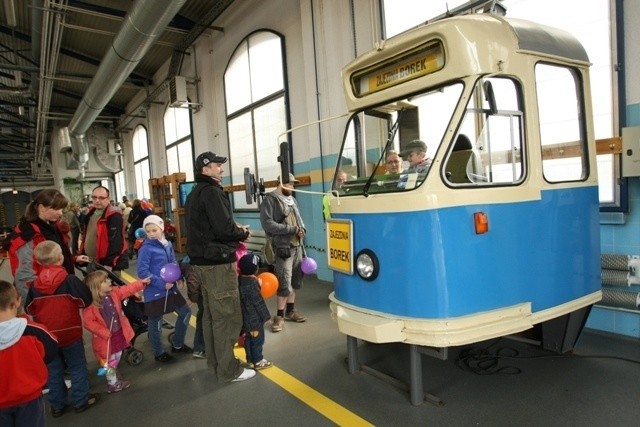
point(473, 45)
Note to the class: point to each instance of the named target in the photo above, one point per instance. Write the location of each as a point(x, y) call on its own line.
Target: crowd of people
point(44, 313)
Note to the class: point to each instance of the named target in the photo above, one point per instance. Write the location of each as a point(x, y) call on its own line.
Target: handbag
point(269, 253)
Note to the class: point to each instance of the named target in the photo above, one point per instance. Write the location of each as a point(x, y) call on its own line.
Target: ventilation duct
point(141, 27)
point(178, 91)
point(65, 140)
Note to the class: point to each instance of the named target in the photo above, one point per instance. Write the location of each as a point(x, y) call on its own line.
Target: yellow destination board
point(340, 245)
point(425, 60)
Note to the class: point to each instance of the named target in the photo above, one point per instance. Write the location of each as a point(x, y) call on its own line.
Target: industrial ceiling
point(50, 57)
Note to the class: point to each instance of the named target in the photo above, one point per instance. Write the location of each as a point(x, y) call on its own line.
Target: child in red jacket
point(55, 300)
point(25, 350)
point(111, 331)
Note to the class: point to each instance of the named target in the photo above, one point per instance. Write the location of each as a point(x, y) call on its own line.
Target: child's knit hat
point(153, 219)
point(248, 264)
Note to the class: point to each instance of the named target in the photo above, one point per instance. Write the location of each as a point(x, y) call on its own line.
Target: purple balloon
point(308, 265)
point(170, 272)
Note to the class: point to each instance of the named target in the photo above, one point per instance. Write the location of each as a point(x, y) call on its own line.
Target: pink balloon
point(308, 265)
point(170, 272)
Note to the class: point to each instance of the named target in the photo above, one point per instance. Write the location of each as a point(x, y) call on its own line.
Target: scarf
point(289, 204)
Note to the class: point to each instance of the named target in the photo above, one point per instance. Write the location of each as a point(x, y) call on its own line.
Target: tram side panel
point(434, 266)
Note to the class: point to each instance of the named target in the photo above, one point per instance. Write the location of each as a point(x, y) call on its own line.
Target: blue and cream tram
point(500, 234)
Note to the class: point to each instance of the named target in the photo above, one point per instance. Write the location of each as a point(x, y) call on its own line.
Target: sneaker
point(278, 324)
point(184, 349)
point(165, 358)
point(55, 413)
point(199, 355)
point(245, 375)
point(118, 386)
point(294, 316)
point(263, 364)
point(92, 400)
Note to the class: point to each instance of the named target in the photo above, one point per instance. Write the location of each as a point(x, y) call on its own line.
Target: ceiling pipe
point(15, 91)
point(144, 23)
point(36, 40)
point(174, 65)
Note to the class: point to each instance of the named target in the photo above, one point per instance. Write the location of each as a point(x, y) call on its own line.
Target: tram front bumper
point(379, 327)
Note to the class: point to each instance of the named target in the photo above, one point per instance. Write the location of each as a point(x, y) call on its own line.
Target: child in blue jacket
point(161, 297)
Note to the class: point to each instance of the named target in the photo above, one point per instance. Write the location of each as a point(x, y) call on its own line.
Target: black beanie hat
point(248, 264)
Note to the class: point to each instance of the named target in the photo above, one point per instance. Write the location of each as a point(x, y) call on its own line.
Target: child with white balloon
point(156, 259)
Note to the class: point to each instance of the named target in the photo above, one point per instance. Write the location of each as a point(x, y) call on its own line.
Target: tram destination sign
point(415, 63)
point(340, 245)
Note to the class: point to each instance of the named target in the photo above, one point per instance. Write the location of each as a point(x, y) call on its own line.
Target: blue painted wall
point(623, 239)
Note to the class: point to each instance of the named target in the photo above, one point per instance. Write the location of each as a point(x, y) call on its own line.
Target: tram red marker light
point(481, 222)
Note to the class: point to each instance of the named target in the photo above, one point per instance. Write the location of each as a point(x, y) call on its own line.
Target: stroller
point(133, 309)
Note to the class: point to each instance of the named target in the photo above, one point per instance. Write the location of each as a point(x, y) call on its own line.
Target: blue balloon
point(140, 233)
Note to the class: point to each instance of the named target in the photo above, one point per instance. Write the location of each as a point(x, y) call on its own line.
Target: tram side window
point(489, 145)
point(562, 135)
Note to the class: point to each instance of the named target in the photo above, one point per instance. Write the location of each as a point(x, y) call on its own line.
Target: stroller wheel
point(166, 325)
point(170, 338)
point(135, 357)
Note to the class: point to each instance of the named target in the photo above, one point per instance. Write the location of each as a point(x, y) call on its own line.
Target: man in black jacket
point(212, 237)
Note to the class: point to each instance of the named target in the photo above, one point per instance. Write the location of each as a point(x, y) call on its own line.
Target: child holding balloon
point(254, 311)
point(111, 332)
point(157, 260)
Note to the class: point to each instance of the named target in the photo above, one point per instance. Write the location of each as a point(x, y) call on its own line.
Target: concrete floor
point(310, 384)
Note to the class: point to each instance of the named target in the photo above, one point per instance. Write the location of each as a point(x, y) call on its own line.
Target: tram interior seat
point(460, 159)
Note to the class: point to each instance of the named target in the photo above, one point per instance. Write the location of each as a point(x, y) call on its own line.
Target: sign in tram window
point(416, 63)
point(340, 245)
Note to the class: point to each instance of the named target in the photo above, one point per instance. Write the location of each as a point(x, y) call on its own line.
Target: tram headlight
point(367, 264)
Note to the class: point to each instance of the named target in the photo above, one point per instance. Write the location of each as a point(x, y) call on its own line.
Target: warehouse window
point(177, 138)
point(141, 161)
point(255, 95)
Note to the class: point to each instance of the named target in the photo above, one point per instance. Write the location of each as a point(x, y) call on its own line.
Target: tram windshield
point(392, 147)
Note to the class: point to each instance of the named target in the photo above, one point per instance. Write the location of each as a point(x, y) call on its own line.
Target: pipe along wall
point(620, 271)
